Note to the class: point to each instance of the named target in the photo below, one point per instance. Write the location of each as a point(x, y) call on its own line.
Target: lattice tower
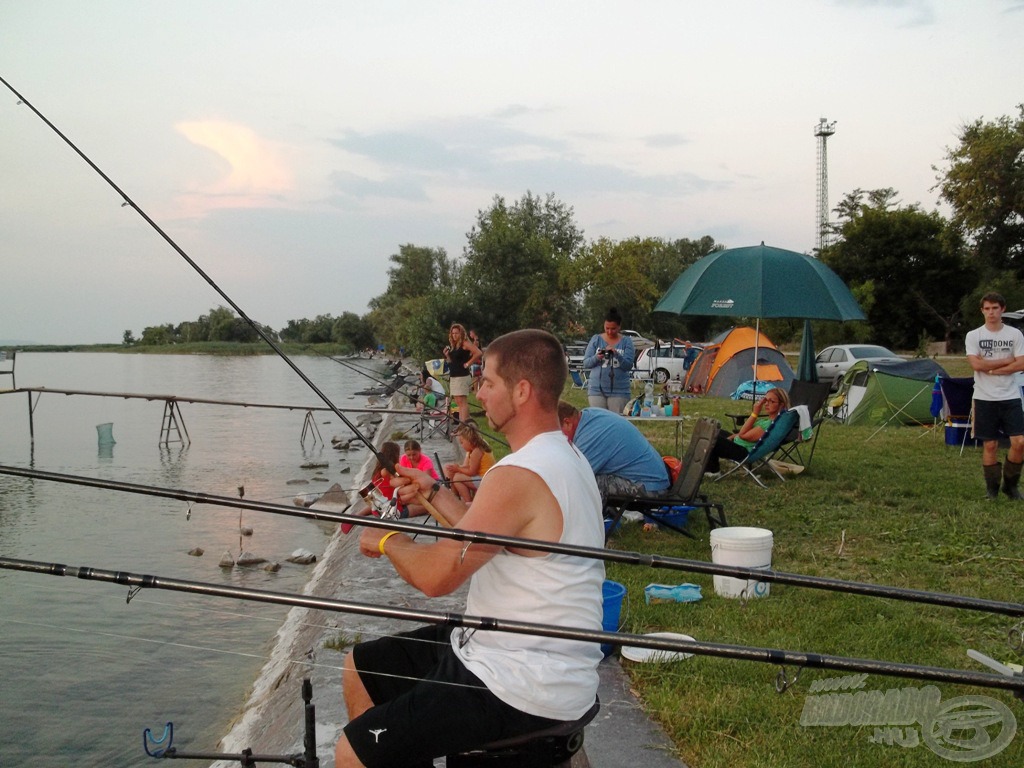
point(822, 131)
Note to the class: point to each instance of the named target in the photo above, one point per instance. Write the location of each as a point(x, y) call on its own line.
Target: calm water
point(82, 671)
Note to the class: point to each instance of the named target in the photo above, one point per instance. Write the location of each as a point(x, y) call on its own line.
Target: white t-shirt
point(1004, 344)
point(543, 676)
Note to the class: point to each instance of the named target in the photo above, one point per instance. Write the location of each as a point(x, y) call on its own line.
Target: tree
point(352, 331)
point(517, 271)
point(421, 280)
point(984, 184)
point(632, 275)
point(908, 266)
point(128, 339)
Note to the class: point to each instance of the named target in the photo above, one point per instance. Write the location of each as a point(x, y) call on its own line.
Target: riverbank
point(312, 643)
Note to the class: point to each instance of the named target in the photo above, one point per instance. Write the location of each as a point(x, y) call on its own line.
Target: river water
point(83, 671)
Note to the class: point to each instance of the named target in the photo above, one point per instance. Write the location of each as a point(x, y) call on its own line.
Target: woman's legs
point(725, 449)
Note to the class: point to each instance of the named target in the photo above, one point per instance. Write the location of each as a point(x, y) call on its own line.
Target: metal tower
point(822, 131)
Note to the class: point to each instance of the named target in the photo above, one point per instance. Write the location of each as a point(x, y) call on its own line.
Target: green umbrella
point(761, 281)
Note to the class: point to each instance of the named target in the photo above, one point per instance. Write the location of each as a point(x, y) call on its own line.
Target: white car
point(662, 362)
point(833, 362)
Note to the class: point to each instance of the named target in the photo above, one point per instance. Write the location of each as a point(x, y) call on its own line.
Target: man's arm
point(510, 502)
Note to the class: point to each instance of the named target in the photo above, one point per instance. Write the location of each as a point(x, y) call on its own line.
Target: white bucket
point(747, 547)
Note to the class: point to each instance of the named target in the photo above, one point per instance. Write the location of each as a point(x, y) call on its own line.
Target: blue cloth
point(610, 378)
point(613, 446)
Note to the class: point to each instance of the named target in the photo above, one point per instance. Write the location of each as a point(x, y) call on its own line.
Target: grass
point(902, 509)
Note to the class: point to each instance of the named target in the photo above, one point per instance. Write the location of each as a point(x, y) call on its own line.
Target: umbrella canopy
point(761, 281)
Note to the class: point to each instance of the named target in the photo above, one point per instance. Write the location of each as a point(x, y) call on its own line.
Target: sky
point(290, 148)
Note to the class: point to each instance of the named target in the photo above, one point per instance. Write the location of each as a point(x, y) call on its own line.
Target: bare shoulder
point(513, 501)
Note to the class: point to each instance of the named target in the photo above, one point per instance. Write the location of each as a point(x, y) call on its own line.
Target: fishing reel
point(385, 509)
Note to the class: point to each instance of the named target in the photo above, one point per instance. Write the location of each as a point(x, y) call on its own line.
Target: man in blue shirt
point(622, 459)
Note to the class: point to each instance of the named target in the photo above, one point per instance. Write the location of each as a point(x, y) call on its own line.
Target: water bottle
point(648, 409)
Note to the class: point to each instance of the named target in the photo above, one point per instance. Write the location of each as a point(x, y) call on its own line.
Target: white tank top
point(547, 677)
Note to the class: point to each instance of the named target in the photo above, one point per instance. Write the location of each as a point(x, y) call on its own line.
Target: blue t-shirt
point(613, 446)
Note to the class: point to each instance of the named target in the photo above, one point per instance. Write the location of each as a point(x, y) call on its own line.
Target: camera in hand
point(605, 354)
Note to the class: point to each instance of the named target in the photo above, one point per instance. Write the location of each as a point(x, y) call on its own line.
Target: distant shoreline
point(189, 348)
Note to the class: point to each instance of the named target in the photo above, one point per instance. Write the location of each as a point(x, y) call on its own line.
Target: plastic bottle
point(648, 409)
point(675, 406)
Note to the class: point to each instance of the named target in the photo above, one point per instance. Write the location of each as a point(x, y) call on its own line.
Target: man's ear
point(522, 391)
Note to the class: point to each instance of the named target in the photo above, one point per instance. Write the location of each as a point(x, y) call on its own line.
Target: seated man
point(622, 459)
point(441, 690)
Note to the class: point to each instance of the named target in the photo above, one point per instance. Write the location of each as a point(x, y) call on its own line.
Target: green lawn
point(901, 508)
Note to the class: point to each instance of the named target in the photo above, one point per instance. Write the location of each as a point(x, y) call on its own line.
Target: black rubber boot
point(993, 476)
point(1011, 477)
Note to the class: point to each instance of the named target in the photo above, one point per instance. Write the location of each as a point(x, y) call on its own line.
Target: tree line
point(917, 274)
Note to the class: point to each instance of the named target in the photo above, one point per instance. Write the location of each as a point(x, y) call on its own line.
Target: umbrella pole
point(757, 345)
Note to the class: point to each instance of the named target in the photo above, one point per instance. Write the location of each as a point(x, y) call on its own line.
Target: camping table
point(677, 420)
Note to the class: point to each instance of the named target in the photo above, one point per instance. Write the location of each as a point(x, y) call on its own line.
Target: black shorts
point(994, 419)
point(427, 703)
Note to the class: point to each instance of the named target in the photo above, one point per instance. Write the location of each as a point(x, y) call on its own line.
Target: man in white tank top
point(439, 691)
point(996, 353)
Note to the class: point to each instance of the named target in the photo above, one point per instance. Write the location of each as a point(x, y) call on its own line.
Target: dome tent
point(727, 361)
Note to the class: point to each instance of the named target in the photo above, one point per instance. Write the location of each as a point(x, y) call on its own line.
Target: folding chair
point(579, 378)
point(762, 453)
point(811, 395)
point(685, 491)
point(436, 419)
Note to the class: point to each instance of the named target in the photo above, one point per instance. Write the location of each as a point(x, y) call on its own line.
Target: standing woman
point(609, 357)
point(460, 353)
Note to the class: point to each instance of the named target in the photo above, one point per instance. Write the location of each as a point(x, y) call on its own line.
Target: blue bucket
point(612, 593)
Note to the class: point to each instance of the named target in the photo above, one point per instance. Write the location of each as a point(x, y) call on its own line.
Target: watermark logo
point(963, 729)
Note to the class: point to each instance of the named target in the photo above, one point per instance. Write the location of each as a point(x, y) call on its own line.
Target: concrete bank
point(272, 719)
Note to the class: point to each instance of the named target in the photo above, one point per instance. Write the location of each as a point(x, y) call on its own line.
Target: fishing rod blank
point(721, 650)
point(608, 555)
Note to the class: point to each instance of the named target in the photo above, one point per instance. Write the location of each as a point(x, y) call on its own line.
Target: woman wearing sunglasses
point(736, 447)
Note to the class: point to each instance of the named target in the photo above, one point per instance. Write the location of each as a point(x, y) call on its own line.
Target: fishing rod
point(136, 582)
point(608, 555)
point(210, 281)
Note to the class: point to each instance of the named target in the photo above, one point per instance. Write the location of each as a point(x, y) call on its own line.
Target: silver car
point(833, 362)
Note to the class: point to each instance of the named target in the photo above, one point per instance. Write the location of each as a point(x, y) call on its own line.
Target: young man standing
point(438, 690)
point(996, 352)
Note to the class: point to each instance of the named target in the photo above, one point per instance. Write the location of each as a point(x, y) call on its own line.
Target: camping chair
point(579, 378)
point(684, 492)
point(436, 419)
point(762, 453)
point(812, 395)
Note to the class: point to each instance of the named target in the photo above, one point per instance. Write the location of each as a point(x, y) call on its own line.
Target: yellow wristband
point(384, 538)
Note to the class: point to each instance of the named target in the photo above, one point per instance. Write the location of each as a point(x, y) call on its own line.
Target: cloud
point(923, 14)
point(489, 154)
point(257, 173)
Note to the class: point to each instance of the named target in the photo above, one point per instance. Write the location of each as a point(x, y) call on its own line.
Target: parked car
point(574, 352)
point(663, 362)
point(639, 342)
point(833, 362)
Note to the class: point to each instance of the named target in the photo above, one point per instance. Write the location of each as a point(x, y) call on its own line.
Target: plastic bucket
point(747, 547)
point(105, 433)
point(612, 593)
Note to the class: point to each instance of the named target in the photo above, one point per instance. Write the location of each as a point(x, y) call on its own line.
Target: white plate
point(656, 655)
